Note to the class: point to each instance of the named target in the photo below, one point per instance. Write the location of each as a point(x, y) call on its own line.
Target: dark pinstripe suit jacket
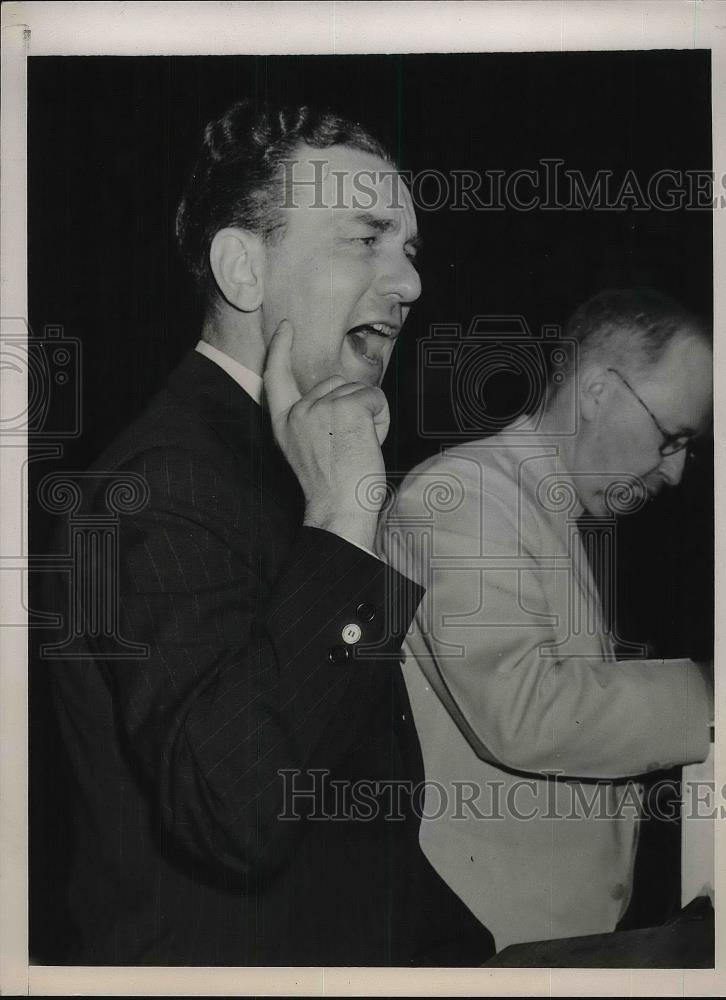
point(182, 856)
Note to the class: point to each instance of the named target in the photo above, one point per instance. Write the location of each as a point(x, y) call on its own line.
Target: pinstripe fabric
point(181, 856)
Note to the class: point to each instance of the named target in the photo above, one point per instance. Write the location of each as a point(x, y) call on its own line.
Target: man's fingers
point(372, 398)
point(282, 391)
point(281, 388)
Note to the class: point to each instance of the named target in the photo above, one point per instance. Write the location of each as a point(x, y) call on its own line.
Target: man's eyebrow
point(381, 225)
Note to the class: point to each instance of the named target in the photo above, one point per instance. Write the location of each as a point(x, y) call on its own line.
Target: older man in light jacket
point(533, 734)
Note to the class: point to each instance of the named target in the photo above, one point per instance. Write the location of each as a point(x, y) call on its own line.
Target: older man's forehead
point(680, 384)
point(687, 354)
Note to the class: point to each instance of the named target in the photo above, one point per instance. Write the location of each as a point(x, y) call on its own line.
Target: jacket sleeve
point(243, 673)
point(493, 638)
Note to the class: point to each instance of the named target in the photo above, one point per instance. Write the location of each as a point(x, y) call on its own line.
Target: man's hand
point(332, 438)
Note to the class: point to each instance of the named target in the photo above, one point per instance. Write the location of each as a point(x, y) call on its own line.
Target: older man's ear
point(237, 260)
point(594, 390)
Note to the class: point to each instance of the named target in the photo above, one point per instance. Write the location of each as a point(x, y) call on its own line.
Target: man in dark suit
point(243, 787)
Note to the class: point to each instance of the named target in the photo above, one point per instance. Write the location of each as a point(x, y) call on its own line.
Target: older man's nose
point(671, 467)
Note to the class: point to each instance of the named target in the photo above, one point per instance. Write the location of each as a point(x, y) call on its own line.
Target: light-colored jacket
point(508, 664)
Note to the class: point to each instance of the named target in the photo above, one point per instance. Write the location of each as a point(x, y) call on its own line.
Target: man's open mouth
point(368, 341)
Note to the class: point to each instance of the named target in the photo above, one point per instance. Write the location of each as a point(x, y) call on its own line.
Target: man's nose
point(671, 468)
point(399, 277)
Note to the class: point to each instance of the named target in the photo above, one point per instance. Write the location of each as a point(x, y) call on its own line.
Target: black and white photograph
point(368, 501)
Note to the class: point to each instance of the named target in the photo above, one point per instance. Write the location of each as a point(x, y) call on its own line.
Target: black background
point(111, 140)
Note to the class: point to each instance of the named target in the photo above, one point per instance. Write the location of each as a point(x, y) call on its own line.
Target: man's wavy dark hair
point(236, 180)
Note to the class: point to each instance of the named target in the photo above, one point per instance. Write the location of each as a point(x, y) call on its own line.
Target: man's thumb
point(280, 386)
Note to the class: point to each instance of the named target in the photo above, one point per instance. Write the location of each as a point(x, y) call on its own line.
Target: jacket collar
point(222, 404)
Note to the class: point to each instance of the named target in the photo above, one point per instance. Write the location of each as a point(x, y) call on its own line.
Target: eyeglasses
point(672, 443)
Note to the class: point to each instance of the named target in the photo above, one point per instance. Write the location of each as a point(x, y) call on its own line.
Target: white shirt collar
point(244, 377)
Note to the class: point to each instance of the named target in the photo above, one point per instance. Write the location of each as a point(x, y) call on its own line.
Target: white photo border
point(238, 28)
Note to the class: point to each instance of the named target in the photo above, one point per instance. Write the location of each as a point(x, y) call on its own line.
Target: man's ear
point(594, 386)
point(237, 259)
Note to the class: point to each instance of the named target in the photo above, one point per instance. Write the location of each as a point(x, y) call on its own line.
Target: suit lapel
point(243, 426)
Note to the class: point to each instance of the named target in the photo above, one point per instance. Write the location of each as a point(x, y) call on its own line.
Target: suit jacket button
point(351, 633)
point(338, 655)
point(618, 891)
point(365, 612)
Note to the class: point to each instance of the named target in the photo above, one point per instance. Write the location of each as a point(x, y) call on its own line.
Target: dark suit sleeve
point(239, 683)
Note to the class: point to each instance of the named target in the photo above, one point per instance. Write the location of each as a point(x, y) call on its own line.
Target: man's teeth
point(382, 329)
